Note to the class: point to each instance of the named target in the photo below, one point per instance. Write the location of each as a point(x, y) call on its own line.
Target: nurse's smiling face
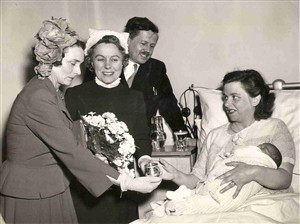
point(107, 62)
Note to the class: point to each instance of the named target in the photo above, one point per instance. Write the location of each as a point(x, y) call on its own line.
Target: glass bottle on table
point(180, 140)
point(157, 134)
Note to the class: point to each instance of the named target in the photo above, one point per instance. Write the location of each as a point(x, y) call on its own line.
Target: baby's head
point(272, 151)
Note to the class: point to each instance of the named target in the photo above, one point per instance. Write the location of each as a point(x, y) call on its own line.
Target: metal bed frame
point(278, 84)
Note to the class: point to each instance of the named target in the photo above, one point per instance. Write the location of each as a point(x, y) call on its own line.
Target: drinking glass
point(180, 140)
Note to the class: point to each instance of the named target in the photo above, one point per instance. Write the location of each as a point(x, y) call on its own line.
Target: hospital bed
point(262, 208)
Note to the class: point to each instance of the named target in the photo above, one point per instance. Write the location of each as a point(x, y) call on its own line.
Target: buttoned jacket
point(151, 79)
point(42, 151)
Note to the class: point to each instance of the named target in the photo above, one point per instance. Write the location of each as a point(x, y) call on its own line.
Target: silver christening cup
point(152, 169)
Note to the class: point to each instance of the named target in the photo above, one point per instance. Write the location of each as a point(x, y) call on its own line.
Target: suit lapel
point(62, 105)
point(142, 74)
point(123, 80)
point(60, 98)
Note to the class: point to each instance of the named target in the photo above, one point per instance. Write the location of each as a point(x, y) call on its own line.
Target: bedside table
point(181, 160)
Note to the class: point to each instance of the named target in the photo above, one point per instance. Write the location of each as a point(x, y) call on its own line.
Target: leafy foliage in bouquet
point(110, 138)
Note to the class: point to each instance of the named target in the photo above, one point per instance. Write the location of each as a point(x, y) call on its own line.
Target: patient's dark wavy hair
point(107, 39)
point(254, 85)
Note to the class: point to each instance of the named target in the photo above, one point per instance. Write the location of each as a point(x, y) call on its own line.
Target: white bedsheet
point(266, 208)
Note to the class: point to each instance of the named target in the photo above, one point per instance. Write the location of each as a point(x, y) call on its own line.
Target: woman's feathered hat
point(53, 37)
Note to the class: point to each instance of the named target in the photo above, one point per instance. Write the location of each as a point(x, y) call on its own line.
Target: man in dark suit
point(148, 75)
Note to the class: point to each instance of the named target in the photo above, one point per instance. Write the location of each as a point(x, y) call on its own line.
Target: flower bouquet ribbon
point(108, 138)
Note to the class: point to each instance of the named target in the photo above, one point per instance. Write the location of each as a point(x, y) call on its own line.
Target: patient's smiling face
point(237, 103)
point(107, 62)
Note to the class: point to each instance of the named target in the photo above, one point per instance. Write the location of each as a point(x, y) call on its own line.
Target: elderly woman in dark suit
point(43, 153)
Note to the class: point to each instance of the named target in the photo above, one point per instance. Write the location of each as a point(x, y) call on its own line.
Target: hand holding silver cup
point(152, 169)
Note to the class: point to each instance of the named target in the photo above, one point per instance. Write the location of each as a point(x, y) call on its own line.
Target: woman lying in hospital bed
point(244, 94)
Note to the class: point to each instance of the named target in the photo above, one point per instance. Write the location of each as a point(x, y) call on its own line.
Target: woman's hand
point(168, 171)
point(144, 184)
point(141, 184)
point(240, 175)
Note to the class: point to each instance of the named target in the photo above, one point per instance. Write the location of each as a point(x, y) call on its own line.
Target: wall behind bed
point(199, 40)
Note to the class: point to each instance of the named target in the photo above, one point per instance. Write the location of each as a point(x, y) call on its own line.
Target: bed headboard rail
point(279, 84)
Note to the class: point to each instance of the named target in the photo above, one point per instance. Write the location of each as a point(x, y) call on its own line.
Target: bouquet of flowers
point(109, 138)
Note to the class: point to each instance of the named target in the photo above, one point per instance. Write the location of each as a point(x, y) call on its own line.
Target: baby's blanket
point(207, 198)
point(263, 208)
point(251, 155)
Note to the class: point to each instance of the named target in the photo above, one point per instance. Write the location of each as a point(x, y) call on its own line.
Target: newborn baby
point(206, 198)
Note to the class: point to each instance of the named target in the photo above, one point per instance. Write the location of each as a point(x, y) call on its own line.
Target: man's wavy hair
point(136, 24)
point(254, 85)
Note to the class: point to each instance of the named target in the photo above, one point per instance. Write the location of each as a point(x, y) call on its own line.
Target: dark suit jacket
point(150, 77)
point(125, 103)
point(42, 149)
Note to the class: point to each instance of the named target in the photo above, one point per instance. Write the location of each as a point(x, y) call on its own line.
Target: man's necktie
point(130, 79)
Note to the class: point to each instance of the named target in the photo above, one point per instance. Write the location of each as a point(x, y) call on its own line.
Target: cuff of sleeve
point(286, 160)
point(143, 158)
point(124, 180)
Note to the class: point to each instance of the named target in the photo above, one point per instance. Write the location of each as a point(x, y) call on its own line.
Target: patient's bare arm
point(171, 173)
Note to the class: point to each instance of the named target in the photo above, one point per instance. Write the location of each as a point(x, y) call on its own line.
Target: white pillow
point(287, 108)
point(212, 112)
